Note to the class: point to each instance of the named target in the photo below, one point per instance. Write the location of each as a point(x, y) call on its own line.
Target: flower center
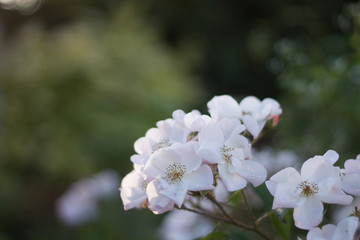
point(226, 153)
point(175, 173)
point(308, 188)
point(161, 144)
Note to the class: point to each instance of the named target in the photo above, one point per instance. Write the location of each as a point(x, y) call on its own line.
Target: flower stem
point(231, 220)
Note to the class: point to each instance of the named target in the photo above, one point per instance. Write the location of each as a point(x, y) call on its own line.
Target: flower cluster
point(191, 152)
point(192, 155)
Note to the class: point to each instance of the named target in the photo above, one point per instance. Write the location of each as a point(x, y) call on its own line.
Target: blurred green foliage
point(73, 101)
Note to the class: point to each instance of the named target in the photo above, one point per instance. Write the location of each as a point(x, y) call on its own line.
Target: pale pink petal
point(233, 182)
point(351, 184)
point(309, 214)
point(253, 172)
point(201, 179)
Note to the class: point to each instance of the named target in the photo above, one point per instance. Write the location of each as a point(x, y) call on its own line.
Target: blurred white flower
point(184, 225)
point(351, 179)
point(79, 203)
point(345, 230)
point(274, 161)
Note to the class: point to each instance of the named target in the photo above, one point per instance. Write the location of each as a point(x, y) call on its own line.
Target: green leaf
point(236, 198)
point(282, 223)
point(280, 214)
point(215, 235)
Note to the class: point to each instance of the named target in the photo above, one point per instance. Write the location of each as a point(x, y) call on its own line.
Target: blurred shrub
point(73, 101)
point(321, 100)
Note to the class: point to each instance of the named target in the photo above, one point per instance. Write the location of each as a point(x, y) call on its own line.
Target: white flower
point(275, 161)
point(351, 180)
point(220, 192)
point(79, 203)
point(254, 113)
point(178, 169)
point(192, 121)
point(318, 182)
point(133, 190)
point(222, 144)
point(166, 134)
point(223, 107)
point(183, 225)
point(158, 203)
point(345, 230)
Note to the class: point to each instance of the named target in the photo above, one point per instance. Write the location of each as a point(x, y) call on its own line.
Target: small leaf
point(282, 227)
point(280, 214)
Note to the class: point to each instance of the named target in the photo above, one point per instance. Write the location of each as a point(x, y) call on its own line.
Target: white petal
point(352, 166)
point(328, 231)
point(233, 182)
point(253, 172)
point(157, 202)
point(317, 169)
point(201, 179)
point(160, 160)
point(351, 184)
point(250, 104)
point(251, 125)
point(132, 190)
point(346, 228)
point(220, 192)
point(288, 175)
point(142, 146)
point(176, 192)
point(309, 214)
point(285, 196)
point(209, 155)
point(211, 137)
point(223, 106)
point(332, 156)
point(178, 115)
point(315, 234)
point(237, 140)
point(331, 192)
point(188, 155)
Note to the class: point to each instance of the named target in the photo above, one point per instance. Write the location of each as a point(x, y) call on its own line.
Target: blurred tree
point(73, 101)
